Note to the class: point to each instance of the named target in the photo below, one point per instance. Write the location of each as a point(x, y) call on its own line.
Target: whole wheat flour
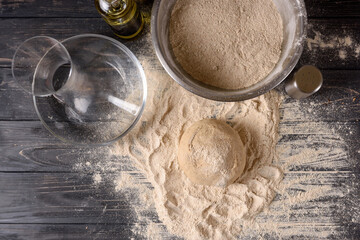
point(196, 211)
point(227, 44)
point(314, 156)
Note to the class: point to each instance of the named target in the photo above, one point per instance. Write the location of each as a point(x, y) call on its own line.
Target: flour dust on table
point(200, 211)
point(143, 168)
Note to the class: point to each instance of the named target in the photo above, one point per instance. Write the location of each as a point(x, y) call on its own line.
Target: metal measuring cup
point(306, 81)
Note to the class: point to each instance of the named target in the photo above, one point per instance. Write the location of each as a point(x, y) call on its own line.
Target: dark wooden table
point(42, 195)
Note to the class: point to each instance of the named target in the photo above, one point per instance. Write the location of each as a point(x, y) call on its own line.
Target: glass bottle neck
point(113, 8)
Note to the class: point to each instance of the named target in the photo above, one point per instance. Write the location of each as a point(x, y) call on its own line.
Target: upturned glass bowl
point(88, 89)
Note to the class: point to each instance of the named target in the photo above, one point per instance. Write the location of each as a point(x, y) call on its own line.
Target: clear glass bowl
point(294, 18)
point(87, 89)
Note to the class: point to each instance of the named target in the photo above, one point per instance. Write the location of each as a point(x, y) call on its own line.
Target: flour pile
point(227, 44)
point(317, 196)
point(197, 211)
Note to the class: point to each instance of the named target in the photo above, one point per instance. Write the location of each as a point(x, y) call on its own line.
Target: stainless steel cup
point(306, 81)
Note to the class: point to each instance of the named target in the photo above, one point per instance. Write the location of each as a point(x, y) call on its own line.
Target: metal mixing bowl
point(293, 14)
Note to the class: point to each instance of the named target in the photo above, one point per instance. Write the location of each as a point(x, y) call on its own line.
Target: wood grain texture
point(340, 93)
point(338, 46)
point(69, 231)
point(27, 146)
point(73, 198)
point(85, 8)
point(52, 8)
point(332, 8)
point(45, 195)
point(113, 231)
point(61, 198)
point(62, 28)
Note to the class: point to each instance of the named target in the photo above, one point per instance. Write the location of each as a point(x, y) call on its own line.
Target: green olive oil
point(123, 16)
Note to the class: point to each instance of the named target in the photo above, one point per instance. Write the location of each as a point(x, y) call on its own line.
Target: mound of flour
point(227, 44)
point(196, 211)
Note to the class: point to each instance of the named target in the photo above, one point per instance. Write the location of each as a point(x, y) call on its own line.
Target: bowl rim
point(224, 95)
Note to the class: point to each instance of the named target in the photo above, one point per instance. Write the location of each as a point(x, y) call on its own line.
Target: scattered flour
point(313, 167)
point(197, 211)
point(347, 45)
point(357, 51)
point(342, 54)
point(97, 178)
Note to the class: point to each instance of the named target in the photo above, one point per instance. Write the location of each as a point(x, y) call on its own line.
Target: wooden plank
point(54, 8)
point(118, 231)
point(15, 103)
point(58, 198)
point(21, 29)
point(27, 146)
point(67, 231)
point(337, 100)
point(77, 231)
point(331, 8)
point(62, 198)
point(340, 93)
point(61, 28)
point(84, 8)
point(332, 44)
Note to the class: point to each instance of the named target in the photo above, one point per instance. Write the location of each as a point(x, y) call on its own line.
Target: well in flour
point(211, 153)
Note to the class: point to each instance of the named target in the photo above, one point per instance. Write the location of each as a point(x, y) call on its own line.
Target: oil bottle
point(123, 16)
